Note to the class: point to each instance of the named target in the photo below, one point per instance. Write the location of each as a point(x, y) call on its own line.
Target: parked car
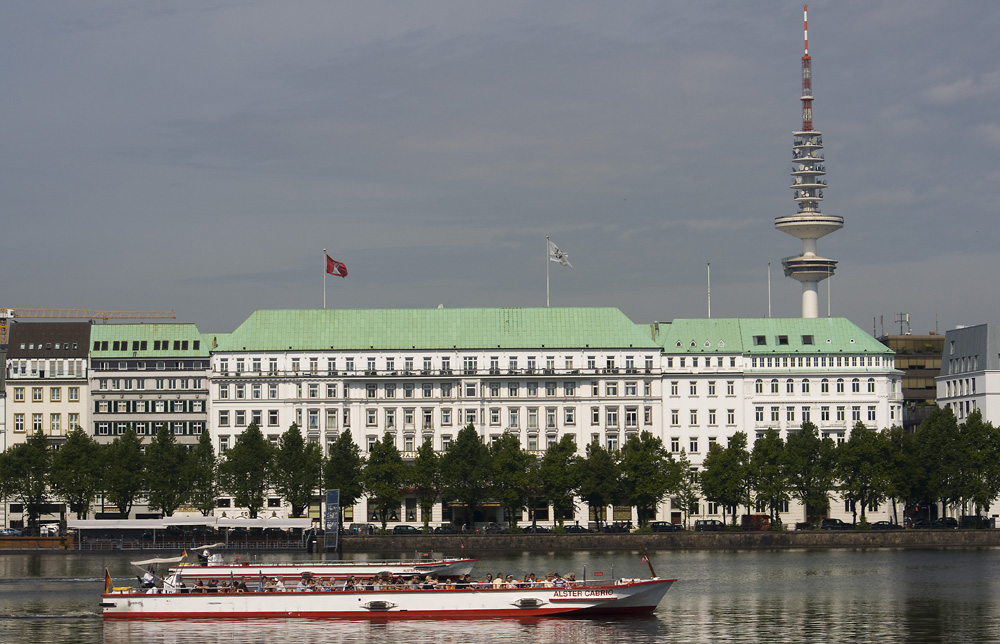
point(709, 525)
point(885, 525)
point(835, 524)
point(576, 529)
point(536, 529)
point(619, 526)
point(665, 526)
point(447, 528)
point(949, 523)
point(406, 529)
point(10, 532)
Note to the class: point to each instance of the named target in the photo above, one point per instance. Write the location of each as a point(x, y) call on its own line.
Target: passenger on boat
point(279, 586)
point(498, 580)
point(303, 584)
point(549, 580)
point(148, 578)
point(328, 585)
point(558, 581)
point(571, 579)
point(350, 584)
point(213, 585)
point(203, 557)
point(530, 580)
point(510, 582)
point(489, 580)
point(199, 587)
point(430, 583)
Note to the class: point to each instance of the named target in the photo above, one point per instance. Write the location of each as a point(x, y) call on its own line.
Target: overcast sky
point(197, 156)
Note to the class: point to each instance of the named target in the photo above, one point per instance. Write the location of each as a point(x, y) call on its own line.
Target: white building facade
point(541, 374)
point(970, 372)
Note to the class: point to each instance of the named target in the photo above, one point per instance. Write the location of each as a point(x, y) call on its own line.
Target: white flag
point(557, 256)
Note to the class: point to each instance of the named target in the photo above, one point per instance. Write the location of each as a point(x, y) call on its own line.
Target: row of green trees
point(943, 462)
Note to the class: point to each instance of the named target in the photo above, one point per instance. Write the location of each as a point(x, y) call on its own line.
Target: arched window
point(840, 385)
point(758, 386)
point(805, 385)
point(855, 386)
point(774, 385)
point(824, 386)
point(871, 385)
point(789, 386)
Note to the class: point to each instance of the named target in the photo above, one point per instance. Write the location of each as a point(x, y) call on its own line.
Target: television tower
point(809, 224)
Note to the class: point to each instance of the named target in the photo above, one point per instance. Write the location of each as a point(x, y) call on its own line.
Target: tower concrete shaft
point(808, 182)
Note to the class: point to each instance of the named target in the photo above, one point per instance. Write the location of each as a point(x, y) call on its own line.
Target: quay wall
point(454, 544)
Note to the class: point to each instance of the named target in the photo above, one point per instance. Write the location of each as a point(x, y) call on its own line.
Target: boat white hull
point(443, 568)
point(633, 597)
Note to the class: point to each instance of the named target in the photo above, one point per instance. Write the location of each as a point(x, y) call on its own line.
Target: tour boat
point(252, 570)
point(582, 599)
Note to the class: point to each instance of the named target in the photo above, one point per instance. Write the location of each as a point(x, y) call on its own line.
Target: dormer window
point(807, 339)
point(782, 339)
point(759, 341)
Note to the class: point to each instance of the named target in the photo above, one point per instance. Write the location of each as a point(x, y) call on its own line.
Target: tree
point(978, 470)
point(861, 469)
point(721, 481)
point(297, 470)
point(124, 470)
point(425, 477)
point(597, 481)
point(203, 475)
point(167, 479)
point(648, 473)
point(384, 477)
point(343, 470)
point(740, 461)
point(767, 461)
point(27, 470)
point(557, 476)
point(76, 472)
point(510, 475)
point(940, 453)
point(465, 471)
point(902, 467)
point(687, 489)
point(810, 463)
point(245, 471)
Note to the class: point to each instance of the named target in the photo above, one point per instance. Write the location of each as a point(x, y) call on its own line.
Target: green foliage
point(721, 479)
point(510, 475)
point(598, 480)
point(297, 469)
point(688, 490)
point(245, 471)
point(557, 476)
point(26, 470)
point(767, 462)
point(810, 466)
point(861, 469)
point(124, 470)
point(425, 477)
point(465, 471)
point(203, 475)
point(343, 470)
point(167, 479)
point(76, 474)
point(648, 473)
point(384, 477)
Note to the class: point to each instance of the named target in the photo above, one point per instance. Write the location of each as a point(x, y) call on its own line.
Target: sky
point(198, 156)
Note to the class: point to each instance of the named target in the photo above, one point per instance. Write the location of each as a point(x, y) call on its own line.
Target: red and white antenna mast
point(807, 98)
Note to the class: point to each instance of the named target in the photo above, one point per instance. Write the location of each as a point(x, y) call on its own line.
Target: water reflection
point(414, 632)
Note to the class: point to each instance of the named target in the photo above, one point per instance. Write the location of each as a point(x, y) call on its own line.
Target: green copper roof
point(767, 336)
point(357, 329)
point(147, 341)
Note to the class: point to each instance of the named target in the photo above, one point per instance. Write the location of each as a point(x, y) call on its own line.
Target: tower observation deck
point(808, 182)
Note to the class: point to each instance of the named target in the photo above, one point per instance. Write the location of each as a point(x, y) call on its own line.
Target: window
point(595, 415)
point(240, 392)
point(675, 444)
point(856, 413)
point(775, 414)
point(871, 386)
point(759, 340)
point(550, 389)
point(371, 389)
point(758, 386)
point(55, 394)
point(550, 417)
point(470, 390)
point(790, 414)
point(631, 417)
point(824, 386)
point(711, 387)
point(611, 415)
point(675, 417)
point(390, 418)
point(18, 394)
point(789, 386)
point(18, 422)
point(824, 413)
point(694, 416)
point(36, 394)
point(241, 418)
point(693, 387)
point(711, 417)
point(74, 421)
point(611, 389)
point(512, 420)
point(774, 385)
point(871, 412)
point(272, 391)
point(494, 416)
point(855, 386)
point(840, 412)
point(693, 445)
point(446, 416)
point(673, 388)
point(512, 389)
point(532, 418)
point(730, 416)
point(446, 390)
point(805, 386)
point(569, 416)
point(223, 418)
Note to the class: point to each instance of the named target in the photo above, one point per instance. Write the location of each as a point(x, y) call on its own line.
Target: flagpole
point(324, 279)
point(546, 271)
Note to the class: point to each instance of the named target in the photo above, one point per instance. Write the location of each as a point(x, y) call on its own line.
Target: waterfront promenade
point(454, 544)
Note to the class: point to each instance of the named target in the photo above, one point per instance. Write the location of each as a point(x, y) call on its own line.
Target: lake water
point(884, 596)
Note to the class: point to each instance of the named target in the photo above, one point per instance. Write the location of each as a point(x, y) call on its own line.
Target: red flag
point(335, 268)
